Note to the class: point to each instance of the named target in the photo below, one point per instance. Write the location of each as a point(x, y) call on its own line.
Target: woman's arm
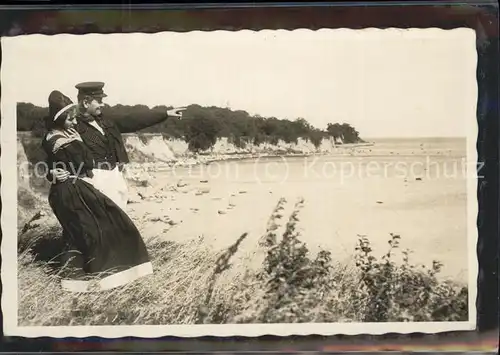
point(52, 174)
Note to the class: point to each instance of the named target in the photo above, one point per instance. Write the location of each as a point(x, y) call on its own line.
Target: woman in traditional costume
point(104, 248)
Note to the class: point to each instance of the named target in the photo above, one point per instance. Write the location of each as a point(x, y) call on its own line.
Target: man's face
point(94, 106)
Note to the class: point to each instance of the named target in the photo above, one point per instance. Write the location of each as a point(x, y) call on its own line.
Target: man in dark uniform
point(103, 137)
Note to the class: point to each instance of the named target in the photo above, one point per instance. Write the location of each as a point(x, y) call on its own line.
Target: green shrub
point(396, 293)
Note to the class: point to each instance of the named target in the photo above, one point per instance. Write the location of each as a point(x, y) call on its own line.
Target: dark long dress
point(101, 239)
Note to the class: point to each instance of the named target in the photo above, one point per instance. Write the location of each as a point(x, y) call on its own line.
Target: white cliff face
point(223, 146)
point(153, 147)
point(23, 166)
point(327, 146)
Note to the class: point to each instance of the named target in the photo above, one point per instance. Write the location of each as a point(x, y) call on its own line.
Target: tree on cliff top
point(345, 132)
point(201, 132)
point(202, 126)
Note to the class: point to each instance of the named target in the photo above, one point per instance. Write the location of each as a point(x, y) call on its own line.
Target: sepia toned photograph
point(239, 183)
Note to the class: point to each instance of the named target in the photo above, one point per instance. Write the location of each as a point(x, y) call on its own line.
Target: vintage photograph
point(239, 183)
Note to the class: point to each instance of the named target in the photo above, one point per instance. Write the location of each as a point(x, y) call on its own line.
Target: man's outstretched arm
point(131, 123)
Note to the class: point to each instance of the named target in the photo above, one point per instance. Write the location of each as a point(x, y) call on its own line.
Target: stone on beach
point(203, 191)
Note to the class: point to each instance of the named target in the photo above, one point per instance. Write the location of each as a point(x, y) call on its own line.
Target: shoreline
point(209, 158)
point(346, 151)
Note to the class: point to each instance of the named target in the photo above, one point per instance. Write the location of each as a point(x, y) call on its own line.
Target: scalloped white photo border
point(12, 85)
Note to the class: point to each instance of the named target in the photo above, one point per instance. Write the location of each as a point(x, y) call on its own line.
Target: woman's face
point(70, 121)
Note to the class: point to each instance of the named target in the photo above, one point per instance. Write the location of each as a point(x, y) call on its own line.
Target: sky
point(386, 83)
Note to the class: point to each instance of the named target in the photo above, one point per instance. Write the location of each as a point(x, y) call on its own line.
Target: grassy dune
point(193, 284)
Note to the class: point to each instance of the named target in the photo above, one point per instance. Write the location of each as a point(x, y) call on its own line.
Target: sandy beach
point(413, 189)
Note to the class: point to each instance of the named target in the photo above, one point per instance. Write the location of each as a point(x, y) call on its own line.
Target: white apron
point(112, 184)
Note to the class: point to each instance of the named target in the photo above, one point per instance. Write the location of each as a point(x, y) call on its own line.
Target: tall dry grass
point(193, 284)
